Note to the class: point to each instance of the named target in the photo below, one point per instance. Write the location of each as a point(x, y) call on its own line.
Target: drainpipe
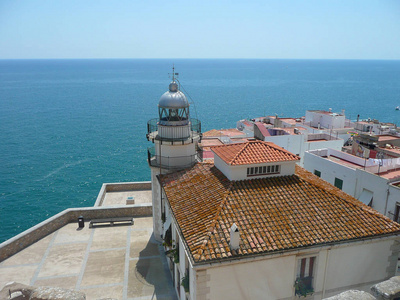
point(387, 198)
point(355, 186)
point(325, 271)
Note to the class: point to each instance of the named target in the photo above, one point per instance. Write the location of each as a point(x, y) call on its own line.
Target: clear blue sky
point(320, 29)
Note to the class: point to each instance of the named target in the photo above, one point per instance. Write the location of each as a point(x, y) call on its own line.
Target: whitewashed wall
point(393, 198)
point(156, 202)
point(240, 172)
point(267, 279)
point(377, 185)
point(332, 144)
point(329, 170)
point(354, 181)
point(292, 143)
point(339, 268)
point(358, 266)
point(325, 120)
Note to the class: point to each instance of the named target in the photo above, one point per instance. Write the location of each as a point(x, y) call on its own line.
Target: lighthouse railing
point(172, 163)
point(154, 132)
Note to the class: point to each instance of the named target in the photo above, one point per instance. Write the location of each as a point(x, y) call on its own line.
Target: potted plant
point(174, 254)
point(168, 238)
point(303, 286)
point(185, 282)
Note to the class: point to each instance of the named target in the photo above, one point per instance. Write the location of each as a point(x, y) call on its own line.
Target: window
point(263, 170)
point(338, 183)
point(318, 173)
point(366, 197)
point(305, 275)
point(397, 213)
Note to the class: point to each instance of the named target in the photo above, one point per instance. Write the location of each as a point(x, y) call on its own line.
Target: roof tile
point(273, 214)
point(253, 152)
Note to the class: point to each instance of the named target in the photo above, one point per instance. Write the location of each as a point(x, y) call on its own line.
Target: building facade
point(253, 225)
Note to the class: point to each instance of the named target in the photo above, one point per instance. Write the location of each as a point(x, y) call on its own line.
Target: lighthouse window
point(263, 170)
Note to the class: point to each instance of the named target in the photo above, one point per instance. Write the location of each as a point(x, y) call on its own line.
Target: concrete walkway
point(121, 262)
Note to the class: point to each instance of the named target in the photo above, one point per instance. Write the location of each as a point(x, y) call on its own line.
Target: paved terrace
point(121, 262)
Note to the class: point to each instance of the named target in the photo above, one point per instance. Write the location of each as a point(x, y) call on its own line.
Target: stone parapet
point(389, 289)
point(352, 295)
point(39, 231)
point(121, 187)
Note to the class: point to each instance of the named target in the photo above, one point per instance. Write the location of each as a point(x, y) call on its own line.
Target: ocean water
point(67, 126)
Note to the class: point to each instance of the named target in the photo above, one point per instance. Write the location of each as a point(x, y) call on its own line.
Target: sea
point(68, 126)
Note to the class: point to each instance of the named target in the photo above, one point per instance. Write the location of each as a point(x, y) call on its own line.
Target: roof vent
point(235, 237)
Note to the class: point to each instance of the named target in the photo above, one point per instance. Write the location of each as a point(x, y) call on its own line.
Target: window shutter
point(311, 268)
point(303, 268)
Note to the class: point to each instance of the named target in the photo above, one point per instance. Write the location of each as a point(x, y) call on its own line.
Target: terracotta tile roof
point(252, 152)
point(273, 214)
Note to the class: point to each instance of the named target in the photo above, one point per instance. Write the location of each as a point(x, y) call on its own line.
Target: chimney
point(235, 237)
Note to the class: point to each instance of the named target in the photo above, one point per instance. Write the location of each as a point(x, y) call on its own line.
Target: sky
point(307, 29)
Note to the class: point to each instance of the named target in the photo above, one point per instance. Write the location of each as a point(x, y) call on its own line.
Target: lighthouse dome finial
point(173, 87)
point(174, 98)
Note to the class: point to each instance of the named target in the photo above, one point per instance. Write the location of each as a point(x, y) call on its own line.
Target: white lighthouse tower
point(175, 136)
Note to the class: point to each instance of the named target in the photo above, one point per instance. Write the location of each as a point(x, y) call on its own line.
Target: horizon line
point(169, 58)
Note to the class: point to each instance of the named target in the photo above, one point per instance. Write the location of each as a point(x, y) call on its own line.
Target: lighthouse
point(175, 136)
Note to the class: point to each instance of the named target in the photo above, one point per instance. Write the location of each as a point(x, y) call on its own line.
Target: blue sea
point(67, 126)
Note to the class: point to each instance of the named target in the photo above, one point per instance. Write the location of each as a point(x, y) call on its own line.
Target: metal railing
point(172, 163)
point(153, 126)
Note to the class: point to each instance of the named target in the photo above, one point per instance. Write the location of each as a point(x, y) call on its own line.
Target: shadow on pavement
point(152, 270)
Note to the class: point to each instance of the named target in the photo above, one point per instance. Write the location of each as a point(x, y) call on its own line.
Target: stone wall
point(39, 231)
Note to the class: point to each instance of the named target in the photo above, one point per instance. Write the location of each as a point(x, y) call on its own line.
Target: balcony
point(171, 133)
point(303, 286)
point(172, 163)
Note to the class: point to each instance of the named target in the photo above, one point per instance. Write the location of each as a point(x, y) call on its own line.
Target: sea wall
point(39, 231)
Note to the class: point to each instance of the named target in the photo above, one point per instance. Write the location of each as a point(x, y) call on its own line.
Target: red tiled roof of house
point(273, 214)
point(252, 152)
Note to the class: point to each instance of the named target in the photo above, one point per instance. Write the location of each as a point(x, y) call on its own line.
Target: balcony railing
point(172, 163)
point(154, 132)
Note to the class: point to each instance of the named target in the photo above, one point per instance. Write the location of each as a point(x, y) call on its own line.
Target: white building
point(373, 181)
point(297, 140)
point(325, 119)
point(256, 226)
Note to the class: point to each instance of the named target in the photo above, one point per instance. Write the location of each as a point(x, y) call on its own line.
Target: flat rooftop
point(390, 174)
point(344, 162)
point(120, 262)
point(230, 132)
point(318, 140)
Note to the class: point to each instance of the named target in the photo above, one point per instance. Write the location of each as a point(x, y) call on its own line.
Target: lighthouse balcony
point(174, 132)
point(172, 163)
